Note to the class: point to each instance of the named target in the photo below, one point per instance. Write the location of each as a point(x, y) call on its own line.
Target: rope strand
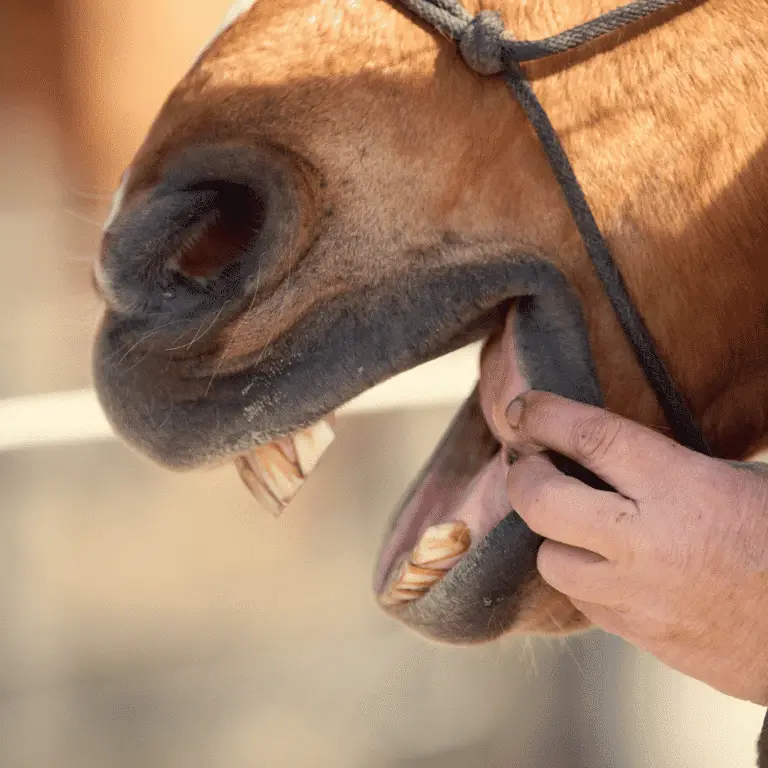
point(488, 49)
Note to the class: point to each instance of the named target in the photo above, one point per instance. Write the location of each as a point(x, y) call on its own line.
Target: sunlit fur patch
point(238, 8)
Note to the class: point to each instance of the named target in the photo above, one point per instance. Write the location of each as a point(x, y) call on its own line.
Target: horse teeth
point(274, 473)
point(252, 481)
point(271, 477)
point(415, 577)
point(398, 596)
point(281, 477)
point(439, 548)
point(285, 444)
point(310, 444)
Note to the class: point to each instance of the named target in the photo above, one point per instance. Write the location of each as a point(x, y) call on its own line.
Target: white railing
point(62, 418)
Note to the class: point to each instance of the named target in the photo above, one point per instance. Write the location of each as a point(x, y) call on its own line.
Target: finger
point(606, 618)
point(566, 510)
point(501, 378)
point(632, 458)
point(577, 573)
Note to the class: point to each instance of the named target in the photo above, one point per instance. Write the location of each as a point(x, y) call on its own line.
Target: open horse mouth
point(178, 268)
point(248, 299)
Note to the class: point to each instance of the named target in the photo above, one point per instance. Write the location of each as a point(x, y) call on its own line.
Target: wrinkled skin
point(660, 559)
point(376, 204)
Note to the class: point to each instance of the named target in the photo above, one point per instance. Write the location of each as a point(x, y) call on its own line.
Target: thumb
point(632, 458)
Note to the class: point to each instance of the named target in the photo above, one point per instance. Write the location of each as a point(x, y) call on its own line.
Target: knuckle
point(624, 511)
point(536, 413)
point(623, 610)
point(678, 559)
point(594, 438)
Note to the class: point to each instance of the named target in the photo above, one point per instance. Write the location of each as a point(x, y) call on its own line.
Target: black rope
point(488, 49)
point(451, 19)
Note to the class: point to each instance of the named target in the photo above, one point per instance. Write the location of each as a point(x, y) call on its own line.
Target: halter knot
point(482, 43)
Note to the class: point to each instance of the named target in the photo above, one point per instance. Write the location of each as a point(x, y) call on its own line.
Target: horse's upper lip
point(170, 406)
point(163, 401)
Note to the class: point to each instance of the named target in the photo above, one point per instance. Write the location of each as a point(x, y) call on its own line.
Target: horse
point(331, 196)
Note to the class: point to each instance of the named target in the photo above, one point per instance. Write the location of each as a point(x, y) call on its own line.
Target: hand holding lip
point(675, 560)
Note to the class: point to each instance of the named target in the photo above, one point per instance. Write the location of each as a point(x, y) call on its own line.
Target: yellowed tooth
point(274, 473)
point(271, 476)
point(404, 587)
point(263, 497)
point(414, 577)
point(311, 443)
point(279, 476)
point(285, 445)
point(393, 597)
point(398, 596)
point(441, 545)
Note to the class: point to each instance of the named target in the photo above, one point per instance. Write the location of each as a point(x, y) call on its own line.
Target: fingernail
point(514, 412)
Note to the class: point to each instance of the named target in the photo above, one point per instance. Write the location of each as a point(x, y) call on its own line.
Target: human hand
point(675, 561)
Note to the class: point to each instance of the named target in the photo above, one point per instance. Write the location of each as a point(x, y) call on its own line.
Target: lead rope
point(489, 50)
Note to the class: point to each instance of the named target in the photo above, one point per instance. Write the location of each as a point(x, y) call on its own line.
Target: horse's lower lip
point(160, 396)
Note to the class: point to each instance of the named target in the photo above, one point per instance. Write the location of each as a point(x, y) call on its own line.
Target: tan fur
point(667, 134)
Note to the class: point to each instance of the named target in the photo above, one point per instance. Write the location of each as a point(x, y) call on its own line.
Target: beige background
point(153, 619)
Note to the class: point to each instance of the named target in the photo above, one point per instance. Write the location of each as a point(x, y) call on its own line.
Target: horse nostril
point(186, 250)
point(222, 233)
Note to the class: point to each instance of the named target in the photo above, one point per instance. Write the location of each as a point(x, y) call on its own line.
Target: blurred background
point(154, 619)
